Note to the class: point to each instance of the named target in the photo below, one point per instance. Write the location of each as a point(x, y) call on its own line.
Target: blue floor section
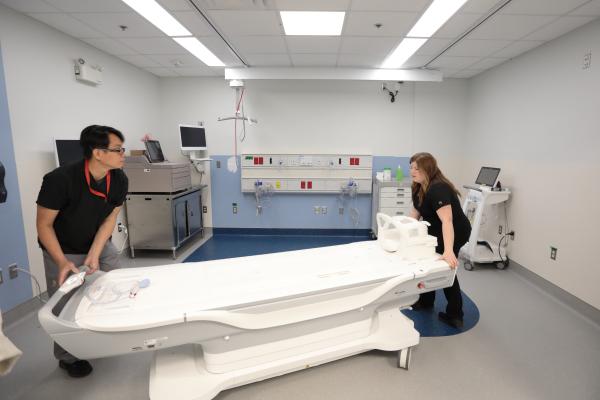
point(222, 246)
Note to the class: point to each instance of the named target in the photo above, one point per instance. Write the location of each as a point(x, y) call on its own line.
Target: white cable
point(124, 240)
point(39, 296)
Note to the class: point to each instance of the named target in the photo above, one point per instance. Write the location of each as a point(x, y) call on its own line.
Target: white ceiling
point(253, 29)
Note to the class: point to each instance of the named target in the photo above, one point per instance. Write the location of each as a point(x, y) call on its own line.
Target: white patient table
point(220, 324)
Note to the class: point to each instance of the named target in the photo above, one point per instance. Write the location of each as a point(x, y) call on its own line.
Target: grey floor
point(527, 345)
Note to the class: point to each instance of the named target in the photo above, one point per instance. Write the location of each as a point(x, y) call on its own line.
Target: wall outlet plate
point(553, 251)
point(12, 271)
point(204, 209)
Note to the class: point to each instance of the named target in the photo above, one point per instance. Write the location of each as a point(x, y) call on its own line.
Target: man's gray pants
point(109, 260)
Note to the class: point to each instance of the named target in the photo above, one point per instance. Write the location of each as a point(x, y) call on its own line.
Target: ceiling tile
point(154, 45)
point(29, 6)
point(312, 5)
point(160, 71)
point(591, 8)
point(110, 46)
point(390, 5)
point(268, 60)
point(235, 4)
point(466, 73)
point(173, 60)
point(360, 60)
point(516, 48)
point(457, 25)
point(368, 45)
point(476, 48)
point(175, 5)
point(416, 61)
point(313, 44)
point(433, 47)
point(67, 24)
point(478, 6)
point(454, 62)
point(109, 24)
point(362, 23)
point(541, 7)
point(488, 63)
point(194, 71)
point(259, 44)
point(236, 23)
point(84, 6)
point(511, 27)
point(194, 22)
point(140, 61)
point(314, 60)
point(559, 27)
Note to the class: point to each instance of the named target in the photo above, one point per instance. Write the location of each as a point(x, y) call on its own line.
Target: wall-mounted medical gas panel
point(306, 173)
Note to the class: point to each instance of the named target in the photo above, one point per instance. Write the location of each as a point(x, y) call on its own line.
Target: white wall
point(538, 118)
point(45, 101)
point(320, 117)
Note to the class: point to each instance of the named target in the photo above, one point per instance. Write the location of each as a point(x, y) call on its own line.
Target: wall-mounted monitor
point(487, 176)
point(154, 151)
point(192, 137)
point(67, 151)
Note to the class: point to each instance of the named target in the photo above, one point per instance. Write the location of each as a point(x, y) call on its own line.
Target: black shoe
point(454, 322)
point(76, 369)
point(420, 306)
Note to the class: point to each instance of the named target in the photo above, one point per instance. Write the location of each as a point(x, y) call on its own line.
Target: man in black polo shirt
point(77, 210)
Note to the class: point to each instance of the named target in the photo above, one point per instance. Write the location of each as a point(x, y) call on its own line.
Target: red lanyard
point(87, 178)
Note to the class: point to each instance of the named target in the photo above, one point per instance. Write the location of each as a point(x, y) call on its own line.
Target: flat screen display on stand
point(154, 151)
point(67, 151)
point(192, 137)
point(487, 176)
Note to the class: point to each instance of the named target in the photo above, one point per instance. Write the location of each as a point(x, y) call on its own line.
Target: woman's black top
point(440, 194)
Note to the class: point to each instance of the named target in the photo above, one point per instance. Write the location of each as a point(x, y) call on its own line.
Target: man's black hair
point(96, 137)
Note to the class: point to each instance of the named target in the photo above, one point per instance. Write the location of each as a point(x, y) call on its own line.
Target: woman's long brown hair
point(428, 166)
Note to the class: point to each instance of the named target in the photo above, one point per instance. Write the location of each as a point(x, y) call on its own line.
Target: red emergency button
point(303, 185)
point(357, 161)
point(309, 184)
point(260, 160)
point(255, 160)
point(421, 285)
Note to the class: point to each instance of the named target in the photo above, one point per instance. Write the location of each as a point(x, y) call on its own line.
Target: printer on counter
point(150, 173)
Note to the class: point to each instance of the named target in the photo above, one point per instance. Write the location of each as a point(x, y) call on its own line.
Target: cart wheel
point(468, 265)
point(503, 264)
point(404, 358)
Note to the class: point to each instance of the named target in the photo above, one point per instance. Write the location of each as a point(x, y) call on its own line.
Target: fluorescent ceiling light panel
point(434, 17)
point(199, 50)
point(406, 48)
point(158, 16)
point(314, 23)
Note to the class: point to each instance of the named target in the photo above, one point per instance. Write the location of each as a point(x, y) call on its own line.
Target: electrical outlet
point(218, 164)
point(341, 210)
point(323, 210)
point(499, 229)
point(587, 60)
point(317, 209)
point(512, 235)
point(204, 209)
point(258, 210)
point(553, 251)
point(12, 271)
point(234, 209)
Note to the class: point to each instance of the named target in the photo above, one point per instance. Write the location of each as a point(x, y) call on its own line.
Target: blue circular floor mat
point(241, 245)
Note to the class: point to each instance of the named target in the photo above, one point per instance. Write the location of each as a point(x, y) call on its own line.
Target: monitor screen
point(154, 151)
point(192, 137)
point(67, 151)
point(487, 176)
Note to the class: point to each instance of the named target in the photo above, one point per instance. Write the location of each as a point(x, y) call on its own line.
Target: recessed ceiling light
point(313, 23)
point(158, 16)
point(434, 17)
point(199, 50)
point(406, 48)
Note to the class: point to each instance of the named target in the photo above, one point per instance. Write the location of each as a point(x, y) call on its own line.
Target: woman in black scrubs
point(435, 199)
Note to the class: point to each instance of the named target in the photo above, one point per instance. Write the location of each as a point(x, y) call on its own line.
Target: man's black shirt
point(439, 195)
point(80, 212)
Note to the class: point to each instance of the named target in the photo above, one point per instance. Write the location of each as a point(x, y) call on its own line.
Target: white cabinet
point(391, 198)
